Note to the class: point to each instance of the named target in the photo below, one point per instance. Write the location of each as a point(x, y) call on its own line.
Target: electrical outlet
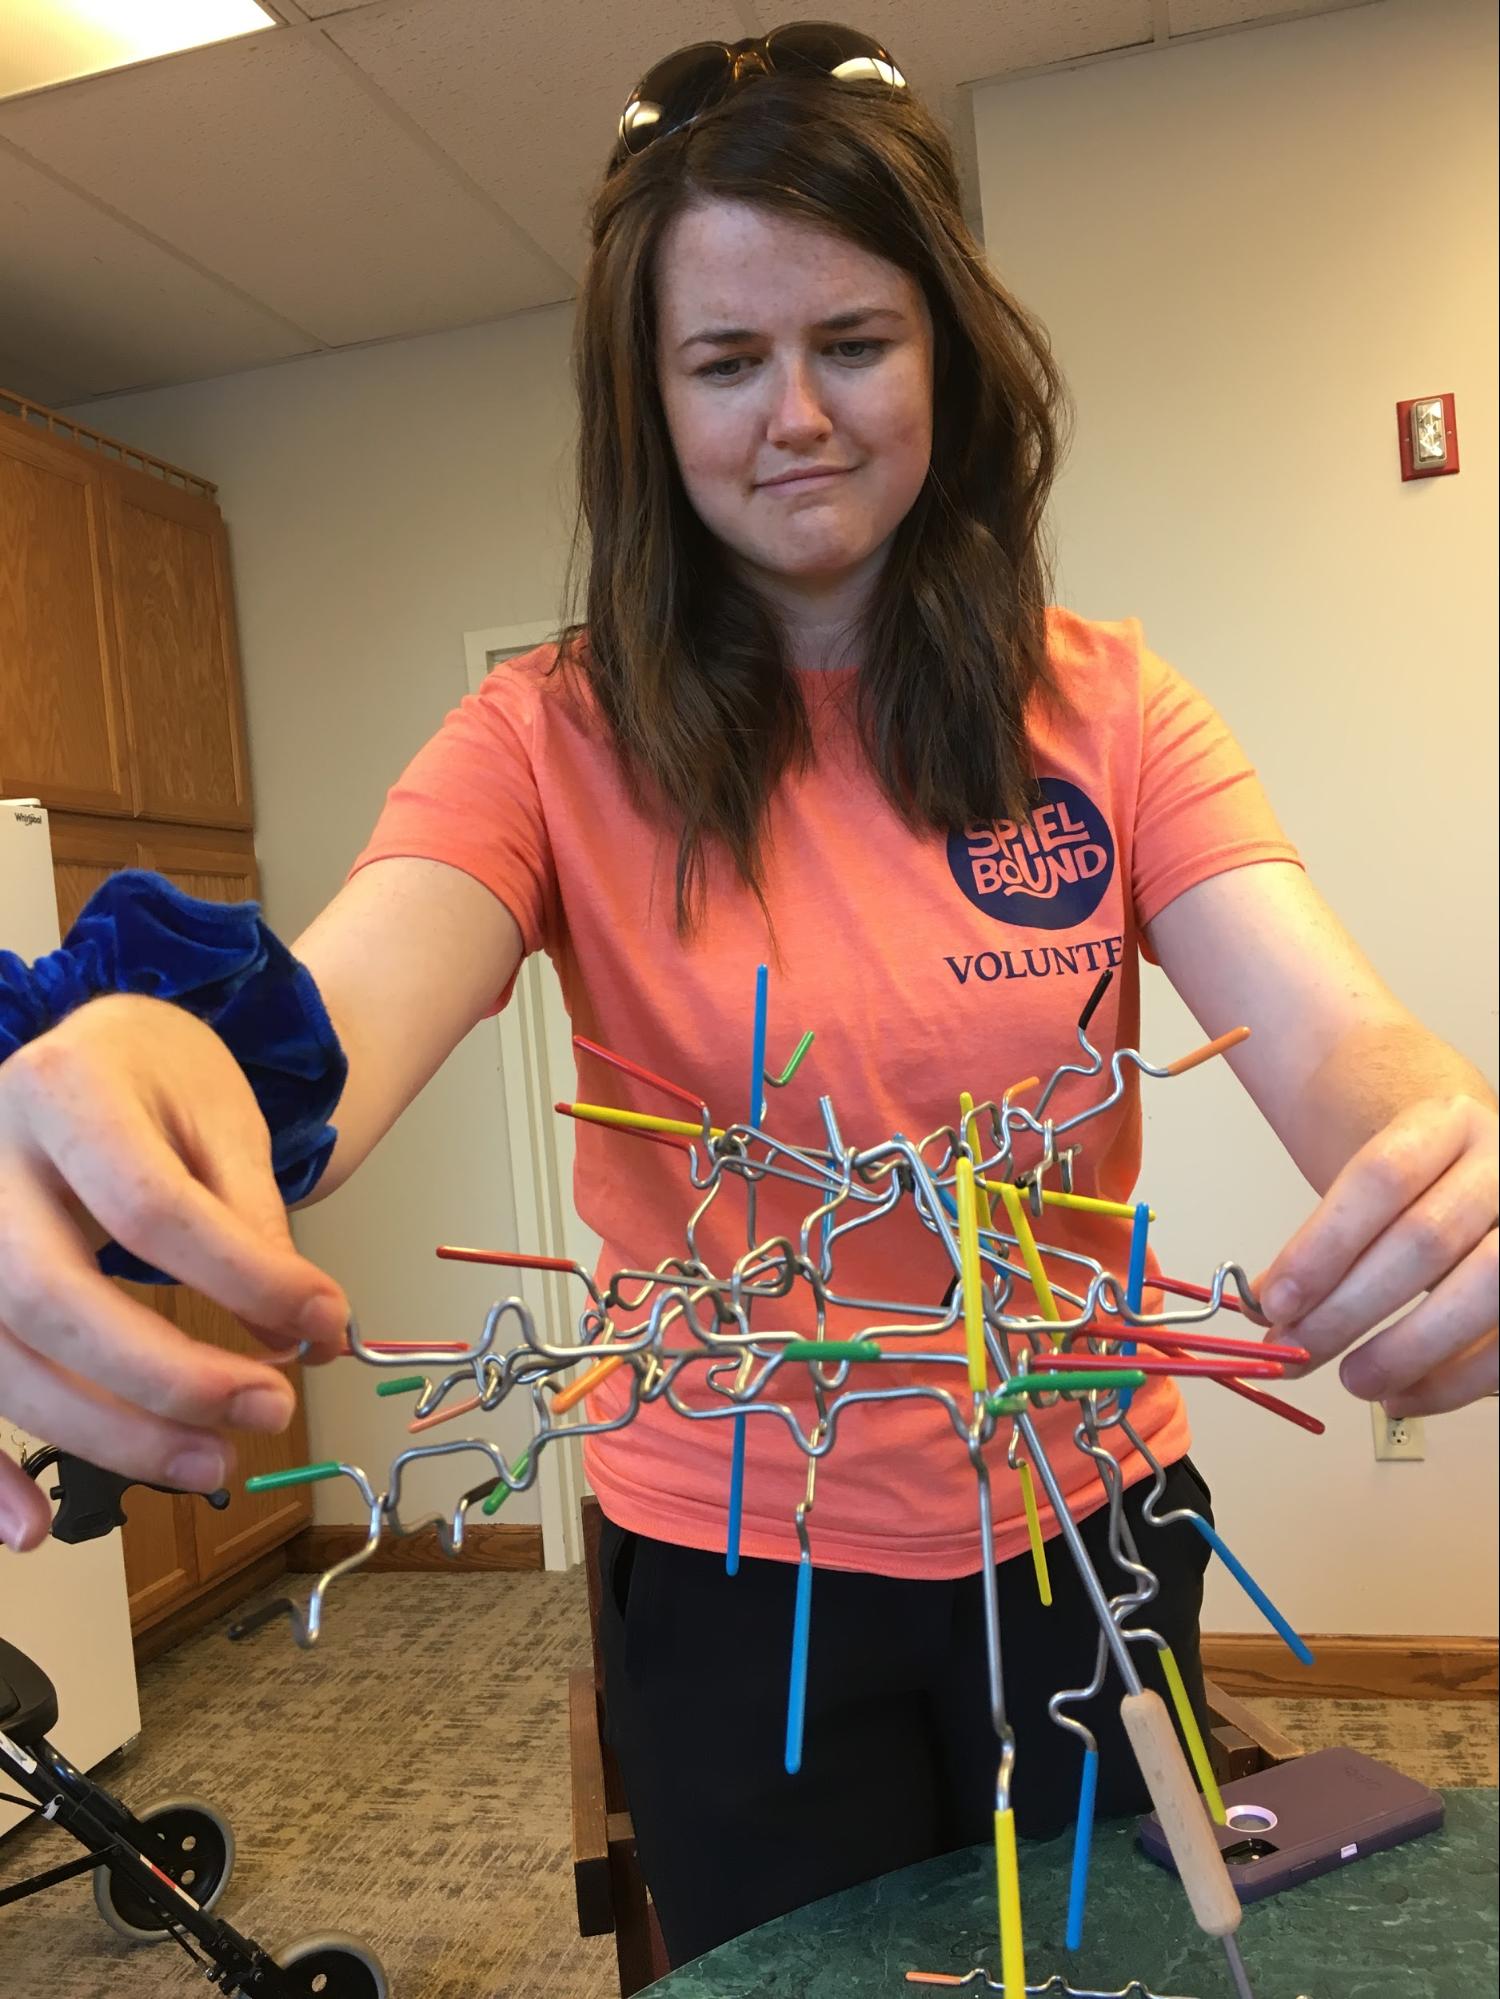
point(1397, 1437)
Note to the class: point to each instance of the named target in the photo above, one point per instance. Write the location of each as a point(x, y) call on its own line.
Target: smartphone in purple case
point(1310, 1816)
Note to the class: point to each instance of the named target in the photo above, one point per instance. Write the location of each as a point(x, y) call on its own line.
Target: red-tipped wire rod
point(1273, 1403)
point(1269, 1370)
point(513, 1259)
point(624, 1064)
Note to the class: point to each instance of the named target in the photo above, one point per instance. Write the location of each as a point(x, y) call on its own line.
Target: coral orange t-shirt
point(927, 964)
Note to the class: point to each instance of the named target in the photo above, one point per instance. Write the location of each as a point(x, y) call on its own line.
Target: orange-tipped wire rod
point(420, 1423)
point(1209, 1049)
point(587, 1382)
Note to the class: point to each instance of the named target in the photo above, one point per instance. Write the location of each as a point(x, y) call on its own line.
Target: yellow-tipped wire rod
point(666, 1127)
point(1020, 1228)
point(969, 1126)
point(1008, 1878)
point(1034, 1534)
point(1187, 1721)
point(973, 1282)
point(1085, 1204)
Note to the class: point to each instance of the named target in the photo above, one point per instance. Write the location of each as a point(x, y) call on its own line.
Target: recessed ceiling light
point(44, 42)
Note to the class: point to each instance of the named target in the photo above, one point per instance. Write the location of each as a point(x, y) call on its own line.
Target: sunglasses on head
point(682, 86)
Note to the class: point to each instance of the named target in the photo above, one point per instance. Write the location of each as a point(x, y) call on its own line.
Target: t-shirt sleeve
point(470, 797)
point(1201, 809)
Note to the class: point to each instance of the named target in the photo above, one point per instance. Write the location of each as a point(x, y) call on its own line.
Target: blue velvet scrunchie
point(138, 933)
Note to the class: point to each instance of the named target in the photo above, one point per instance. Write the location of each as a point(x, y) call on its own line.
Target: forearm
point(406, 958)
point(1369, 1077)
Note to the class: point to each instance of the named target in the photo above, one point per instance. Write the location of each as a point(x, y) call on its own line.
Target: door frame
point(534, 1071)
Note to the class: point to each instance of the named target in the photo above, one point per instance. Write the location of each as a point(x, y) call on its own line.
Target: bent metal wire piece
point(1026, 1326)
point(1056, 1987)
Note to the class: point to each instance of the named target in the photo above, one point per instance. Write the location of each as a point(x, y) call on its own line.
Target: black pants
point(900, 1757)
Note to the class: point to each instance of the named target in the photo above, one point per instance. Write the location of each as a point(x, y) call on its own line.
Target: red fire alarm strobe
point(1428, 430)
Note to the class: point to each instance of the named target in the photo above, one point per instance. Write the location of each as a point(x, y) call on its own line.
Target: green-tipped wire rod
point(780, 1082)
point(274, 1481)
point(502, 1491)
point(1083, 1382)
point(407, 1384)
point(830, 1350)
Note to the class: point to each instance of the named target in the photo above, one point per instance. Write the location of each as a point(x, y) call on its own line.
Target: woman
point(820, 712)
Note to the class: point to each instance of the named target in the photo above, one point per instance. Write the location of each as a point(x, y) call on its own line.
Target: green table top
point(1418, 1922)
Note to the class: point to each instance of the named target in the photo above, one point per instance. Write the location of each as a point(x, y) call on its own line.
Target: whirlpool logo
point(1046, 872)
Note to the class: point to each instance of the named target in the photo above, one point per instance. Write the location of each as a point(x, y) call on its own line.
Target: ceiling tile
point(940, 46)
point(267, 162)
point(1191, 17)
point(526, 97)
point(319, 10)
point(98, 307)
point(33, 380)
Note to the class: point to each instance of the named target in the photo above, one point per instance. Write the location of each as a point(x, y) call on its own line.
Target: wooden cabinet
point(175, 1546)
point(120, 709)
point(250, 1524)
point(85, 852)
point(173, 616)
point(119, 683)
point(221, 868)
point(62, 717)
point(161, 1555)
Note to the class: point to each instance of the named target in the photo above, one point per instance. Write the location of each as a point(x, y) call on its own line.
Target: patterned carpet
point(416, 1795)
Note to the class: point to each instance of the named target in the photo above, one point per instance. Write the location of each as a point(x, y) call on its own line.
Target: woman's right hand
point(130, 1119)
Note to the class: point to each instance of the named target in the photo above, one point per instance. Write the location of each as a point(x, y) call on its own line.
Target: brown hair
point(686, 663)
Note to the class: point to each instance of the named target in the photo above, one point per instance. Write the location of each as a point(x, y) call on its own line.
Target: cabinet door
point(174, 613)
point(251, 1523)
point(62, 722)
point(85, 852)
point(223, 870)
point(161, 1555)
point(216, 867)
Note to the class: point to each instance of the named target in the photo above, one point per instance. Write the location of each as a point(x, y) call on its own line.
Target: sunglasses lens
point(676, 91)
point(683, 86)
point(823, 48)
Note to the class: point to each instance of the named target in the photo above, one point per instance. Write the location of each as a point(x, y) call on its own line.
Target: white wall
point(381, 503)
point(1246, 252)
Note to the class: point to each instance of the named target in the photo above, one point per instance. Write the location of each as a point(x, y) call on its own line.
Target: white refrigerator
point(64, 1606)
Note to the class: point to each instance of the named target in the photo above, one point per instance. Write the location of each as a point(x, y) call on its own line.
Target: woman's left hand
point(1413, 1211)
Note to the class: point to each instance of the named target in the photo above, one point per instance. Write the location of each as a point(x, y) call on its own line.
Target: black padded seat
point(28, 1699)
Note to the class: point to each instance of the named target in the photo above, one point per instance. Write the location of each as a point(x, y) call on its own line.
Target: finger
point(1415, 1253)
point(54, 1301)
point(1383, 1179)
point(25, 1517)
point(116, 1161)
point(1461, 1380)
point(248, 1187)
point(77, 1415)
point(1447, 1323)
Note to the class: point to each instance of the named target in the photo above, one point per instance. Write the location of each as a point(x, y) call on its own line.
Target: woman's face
point(784, 351)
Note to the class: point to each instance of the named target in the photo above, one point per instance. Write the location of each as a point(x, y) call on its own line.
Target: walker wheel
point(333, 1967)
point(186, 1839)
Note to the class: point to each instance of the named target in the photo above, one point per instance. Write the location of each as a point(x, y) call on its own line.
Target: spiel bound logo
point(1047, 872)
